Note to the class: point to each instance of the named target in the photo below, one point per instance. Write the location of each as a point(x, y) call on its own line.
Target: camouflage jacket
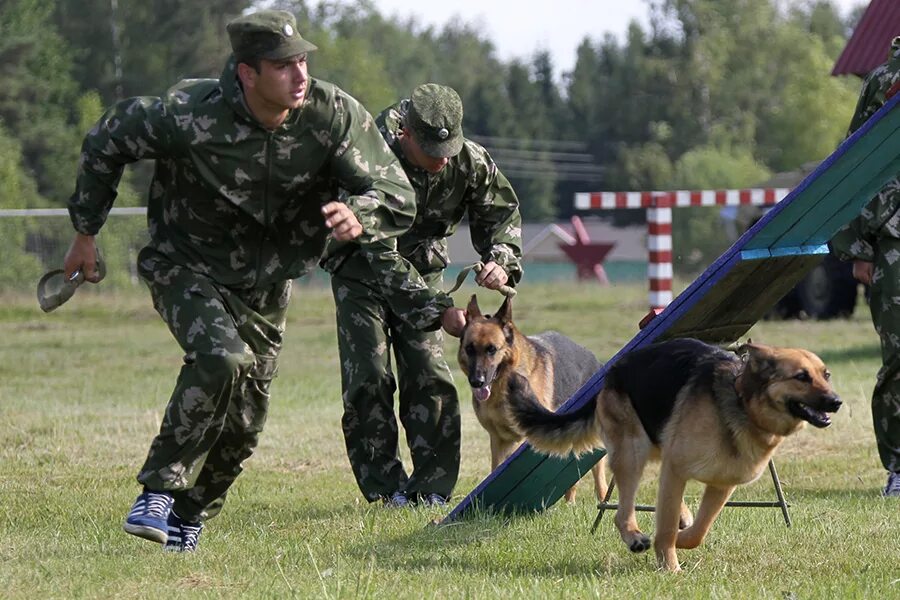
point(881, 216)
point(470, 184)
point(240, 203)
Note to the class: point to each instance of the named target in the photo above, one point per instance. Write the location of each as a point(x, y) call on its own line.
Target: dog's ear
point(760, 365)
point(472, 310)
point(759, 358)
point(504, 318)
point(504, 314)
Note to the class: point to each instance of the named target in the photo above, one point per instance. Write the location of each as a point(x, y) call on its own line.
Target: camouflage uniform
point(368, 327)
point(874, 236)
point(234, 215)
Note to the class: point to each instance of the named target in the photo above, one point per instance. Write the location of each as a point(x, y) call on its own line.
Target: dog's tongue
point(481, 394)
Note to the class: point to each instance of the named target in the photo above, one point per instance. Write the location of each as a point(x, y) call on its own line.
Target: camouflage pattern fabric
point(234, 214)
point(428, 405)
point(470, 184)
point(242, 204)
point(369, 327)
point(883, 303)
point(231, 341)
point(874, 236)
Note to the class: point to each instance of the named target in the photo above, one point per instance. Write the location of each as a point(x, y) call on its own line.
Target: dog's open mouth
point(816, 418)
point(482, 393)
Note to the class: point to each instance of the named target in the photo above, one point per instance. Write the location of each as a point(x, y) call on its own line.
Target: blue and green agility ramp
point(726, 300)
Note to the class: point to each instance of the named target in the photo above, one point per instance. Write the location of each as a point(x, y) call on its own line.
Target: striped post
point(659, 250)
point(659, 222)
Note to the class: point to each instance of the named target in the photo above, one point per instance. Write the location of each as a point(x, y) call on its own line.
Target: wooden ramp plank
point(743, 297)
point(726, 300)
point(550, 482)
point(869, 190)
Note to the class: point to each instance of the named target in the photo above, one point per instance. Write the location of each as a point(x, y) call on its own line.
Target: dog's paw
point(641, 544)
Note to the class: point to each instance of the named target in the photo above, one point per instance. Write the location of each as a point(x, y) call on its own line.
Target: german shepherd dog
point(492, 349)
point(706, 413)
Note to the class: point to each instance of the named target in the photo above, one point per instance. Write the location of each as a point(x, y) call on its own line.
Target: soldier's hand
point(343, 223)
point(863, 270)
point(492, 276)
point(454, 321)
point(82, 256)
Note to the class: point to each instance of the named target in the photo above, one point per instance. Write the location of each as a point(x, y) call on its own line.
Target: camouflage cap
point(435, 116)
point(895, 48)
point(270, 34)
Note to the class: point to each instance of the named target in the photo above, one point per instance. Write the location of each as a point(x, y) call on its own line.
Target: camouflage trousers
point(428, 404)
point(231, 341)
point(884, 304)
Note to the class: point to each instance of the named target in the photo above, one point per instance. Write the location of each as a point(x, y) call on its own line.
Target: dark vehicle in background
point(829, 290)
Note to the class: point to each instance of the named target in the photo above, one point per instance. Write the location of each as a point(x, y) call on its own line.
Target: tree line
point(713, 93)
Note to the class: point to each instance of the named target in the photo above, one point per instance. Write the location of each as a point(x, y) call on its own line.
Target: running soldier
point(242, 202)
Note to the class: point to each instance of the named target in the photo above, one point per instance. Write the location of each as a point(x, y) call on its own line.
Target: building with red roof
point(870, 43)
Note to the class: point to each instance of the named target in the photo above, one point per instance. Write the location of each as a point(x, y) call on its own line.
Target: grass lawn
point(82, 392)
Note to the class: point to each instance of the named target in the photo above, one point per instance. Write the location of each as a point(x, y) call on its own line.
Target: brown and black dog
point(491, 349)
point(708, 414)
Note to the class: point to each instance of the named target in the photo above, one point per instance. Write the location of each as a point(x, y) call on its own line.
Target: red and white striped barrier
point(659, 222)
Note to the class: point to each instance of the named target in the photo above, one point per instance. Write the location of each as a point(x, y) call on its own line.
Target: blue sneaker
point(148, 515)
point(183, 536)
point(893, 485)
point(396, 500)
point(434, 500)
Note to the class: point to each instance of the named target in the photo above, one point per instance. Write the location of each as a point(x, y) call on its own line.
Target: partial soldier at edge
point(872, 242)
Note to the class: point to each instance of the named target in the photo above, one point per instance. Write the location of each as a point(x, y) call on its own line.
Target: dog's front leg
point(627, 468)
point(500, 451)
point(495, 453)
point(668, 513)
point(714, 498)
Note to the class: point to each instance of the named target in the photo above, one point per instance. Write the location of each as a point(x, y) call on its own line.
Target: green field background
point(82, 392)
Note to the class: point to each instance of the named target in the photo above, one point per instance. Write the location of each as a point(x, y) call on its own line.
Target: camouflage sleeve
point(384, 202)
point(494, 220)
point(879, 218)
point(867, 104)
point(849, 243)
point(858, 239)
point(133, 129)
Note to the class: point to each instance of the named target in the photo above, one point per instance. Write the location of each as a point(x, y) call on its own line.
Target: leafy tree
point(551, 101)
point(823, 21)
point(583, 86)
point(709, 167)
point(349, 54)
point(141, 47)
point(776, 97)
point(746, 80)
point(18, 190)
point(643, 167)
point(698, 231)
point(806, 118)
point(38, 95)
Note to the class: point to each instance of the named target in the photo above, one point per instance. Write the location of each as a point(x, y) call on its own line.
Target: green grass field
point(82, 391)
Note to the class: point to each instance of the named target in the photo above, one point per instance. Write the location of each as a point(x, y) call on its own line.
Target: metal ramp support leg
point(780, 503)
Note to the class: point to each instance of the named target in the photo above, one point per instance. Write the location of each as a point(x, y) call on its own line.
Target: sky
point(518, 28)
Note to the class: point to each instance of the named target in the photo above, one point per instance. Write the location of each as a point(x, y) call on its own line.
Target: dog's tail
point(547, 431)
